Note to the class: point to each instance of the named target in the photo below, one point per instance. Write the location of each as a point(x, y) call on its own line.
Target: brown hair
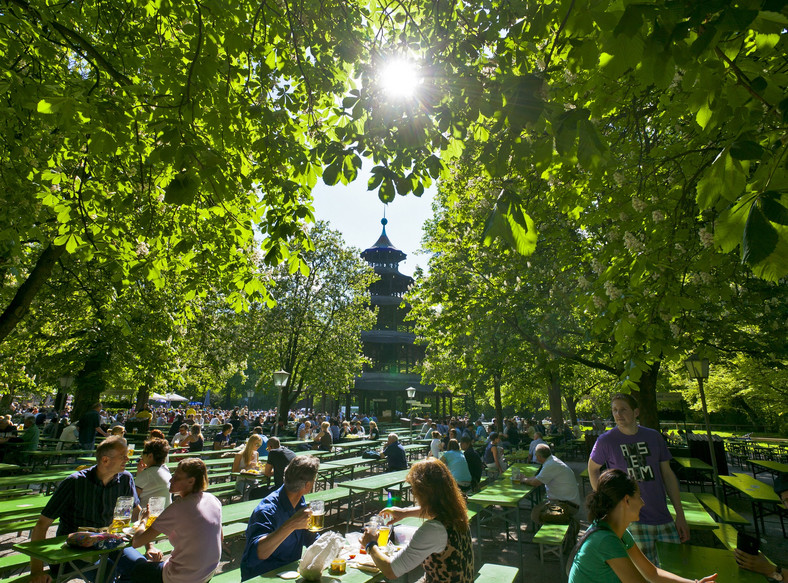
point(436, 491)
point(158, 448)
point(627, 398)
point(611, 489)
point(114, 442)
point(195, 468)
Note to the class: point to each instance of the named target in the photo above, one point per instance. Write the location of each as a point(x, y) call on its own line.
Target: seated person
point(153, 477)
point(457, 464)
point(607, 552)
point(195, 440)
point(475, 463)
point(277, 531)
point(442, 544)
point(394, 454)
point(86, 498)
point(279, 457)
point(193, 524)
point(759, 563)
point(181, 436)
point(222, 439)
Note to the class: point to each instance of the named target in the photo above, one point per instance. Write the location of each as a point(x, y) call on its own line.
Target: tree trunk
point(142, 397)
point(90, 382)
point(647, 396)
point(554, 394)
point(571, 405)
point(5, 402)
point(21, 301)
point(498, 403)
point(757, 425)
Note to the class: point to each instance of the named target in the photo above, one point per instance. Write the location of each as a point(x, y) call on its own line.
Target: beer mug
point(155, 507)
point(373, 525)
point(121, 517)
point(316, 520)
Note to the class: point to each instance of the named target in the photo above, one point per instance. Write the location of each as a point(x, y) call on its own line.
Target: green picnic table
point(774, 468)
point(694, 562)
point(374, 483)
point(47, 456)
point(694, 470)
point(49, 479)
point(756, 491)
point(55, 551)
point(508, 496)
point(694, 512)
point(351, 576)
point(22, 507)
point(332, 467)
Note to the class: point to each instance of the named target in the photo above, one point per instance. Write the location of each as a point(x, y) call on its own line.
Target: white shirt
point(154, 481)
point(559, 481)
point(431, 537)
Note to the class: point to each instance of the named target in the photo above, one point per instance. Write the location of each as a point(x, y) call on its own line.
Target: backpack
point(579, 544)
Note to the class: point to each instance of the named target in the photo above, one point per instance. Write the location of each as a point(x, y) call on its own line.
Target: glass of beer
point(121, 517)
point(383, 535)
point(316, 520)
point(155, 507)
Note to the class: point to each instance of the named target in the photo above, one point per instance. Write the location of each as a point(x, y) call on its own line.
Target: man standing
point(90, 424)
point(643, 454)
point(559, 481)
point(277, 533)
point(394, 454)
point(86, 498)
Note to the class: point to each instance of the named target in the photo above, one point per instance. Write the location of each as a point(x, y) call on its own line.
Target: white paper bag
point(319, 555)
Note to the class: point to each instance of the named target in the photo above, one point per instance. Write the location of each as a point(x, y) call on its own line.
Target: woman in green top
point(607, 552)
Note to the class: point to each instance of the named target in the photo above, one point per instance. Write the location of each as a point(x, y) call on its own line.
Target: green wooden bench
point(15, 492)
point(727, 534)
point(20, 579)
point(550, 539)
point(492, 573)
point(14, 561)
point(724, 513)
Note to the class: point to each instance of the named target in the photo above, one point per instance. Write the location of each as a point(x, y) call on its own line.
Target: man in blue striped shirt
point(87, 498)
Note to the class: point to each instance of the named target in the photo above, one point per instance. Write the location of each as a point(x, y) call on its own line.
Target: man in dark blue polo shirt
point(87, 498)
point(395, 454)
point(277, 530)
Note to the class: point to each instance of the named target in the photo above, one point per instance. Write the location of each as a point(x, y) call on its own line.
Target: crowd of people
point(627, 508)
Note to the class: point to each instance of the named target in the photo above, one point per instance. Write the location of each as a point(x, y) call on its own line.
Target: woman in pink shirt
point(193, 523)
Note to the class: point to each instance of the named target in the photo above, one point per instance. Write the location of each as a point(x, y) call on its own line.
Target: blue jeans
point(133, 567)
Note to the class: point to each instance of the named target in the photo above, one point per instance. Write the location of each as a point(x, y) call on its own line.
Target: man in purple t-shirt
point(643, 454)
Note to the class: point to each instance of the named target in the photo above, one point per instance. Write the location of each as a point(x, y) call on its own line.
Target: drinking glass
point(316, 520)
point(122, 514)
point(155, 508)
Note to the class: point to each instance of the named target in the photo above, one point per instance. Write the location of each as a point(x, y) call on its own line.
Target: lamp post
point(280, 381)
point(249, 395)
point(698, 369)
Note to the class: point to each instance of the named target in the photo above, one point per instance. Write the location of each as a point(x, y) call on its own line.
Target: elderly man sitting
point(277, 530)
point(394, 454)
point(561, 485)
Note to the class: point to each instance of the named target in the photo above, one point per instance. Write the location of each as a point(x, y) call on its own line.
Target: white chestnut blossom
point(638, 204)
point(706, 238)
point(612, 291)
point(142, 249)
point(599, 302)
point(657, 216)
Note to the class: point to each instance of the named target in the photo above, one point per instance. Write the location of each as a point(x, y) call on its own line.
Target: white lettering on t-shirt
point(635, 456)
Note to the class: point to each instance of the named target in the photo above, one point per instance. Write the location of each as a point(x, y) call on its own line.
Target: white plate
point(289, 575)
point(130, 530)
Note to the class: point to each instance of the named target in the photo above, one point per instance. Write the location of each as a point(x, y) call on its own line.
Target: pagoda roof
point(383, 246)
